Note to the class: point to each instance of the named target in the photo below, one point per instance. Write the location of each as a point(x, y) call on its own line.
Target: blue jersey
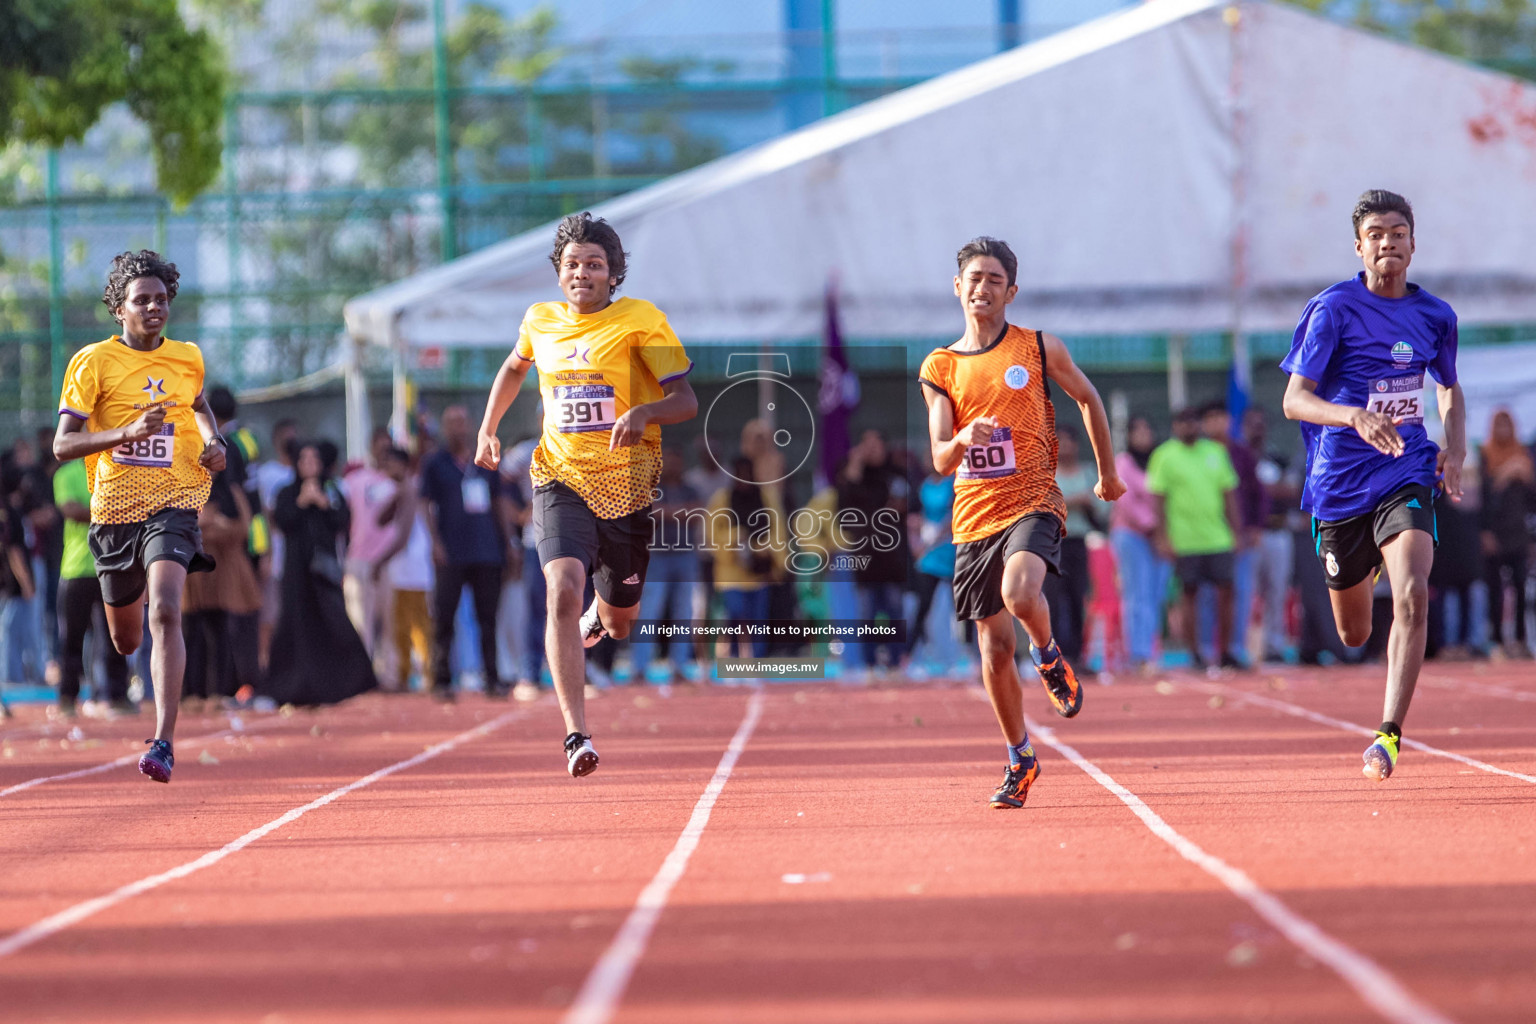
point(1372, 352)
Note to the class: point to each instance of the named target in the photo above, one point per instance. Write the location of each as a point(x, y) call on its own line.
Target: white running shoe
point(591, 625)
point(580, 757)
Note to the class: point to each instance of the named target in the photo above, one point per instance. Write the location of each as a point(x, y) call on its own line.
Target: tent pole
point(399, 419)
point(1178, 385)
point(1240, 385)
point(356, 382)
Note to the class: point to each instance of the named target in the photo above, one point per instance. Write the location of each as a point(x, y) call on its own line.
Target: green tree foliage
point(1496, 31)
point(62, 62)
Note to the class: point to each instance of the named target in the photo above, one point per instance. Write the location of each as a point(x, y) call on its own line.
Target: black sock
point(1392, 729)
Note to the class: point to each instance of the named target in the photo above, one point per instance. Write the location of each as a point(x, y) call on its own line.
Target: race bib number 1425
point(1402, 398)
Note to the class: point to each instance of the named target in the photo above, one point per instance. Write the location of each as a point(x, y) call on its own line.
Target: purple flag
point(839, 394)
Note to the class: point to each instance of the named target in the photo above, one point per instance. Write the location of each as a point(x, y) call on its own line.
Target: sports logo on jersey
point(1402, 353)
point(1331, 564)
point(1016, 377)
point(155, 389)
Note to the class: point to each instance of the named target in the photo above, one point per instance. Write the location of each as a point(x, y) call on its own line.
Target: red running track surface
point(849, 870)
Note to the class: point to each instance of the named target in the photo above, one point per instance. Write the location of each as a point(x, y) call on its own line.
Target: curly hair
point(127, 267)
point(583, 227)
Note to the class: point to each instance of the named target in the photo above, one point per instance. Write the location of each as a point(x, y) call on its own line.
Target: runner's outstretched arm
point(1378, 430)
point(948, 448)
point(509, 380)
point(212, 459)
point(1453, 413)
point(678, 404)
point(73, 441)
point(1060, 368)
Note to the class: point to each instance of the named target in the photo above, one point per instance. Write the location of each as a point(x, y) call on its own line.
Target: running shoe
point(157, 764)
point(1381, 757)
point(580, 757)
point(1016, 782)
point(591, 626)
point(1061, 686)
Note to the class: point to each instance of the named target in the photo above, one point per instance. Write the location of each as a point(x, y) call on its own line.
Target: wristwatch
point(223, 442)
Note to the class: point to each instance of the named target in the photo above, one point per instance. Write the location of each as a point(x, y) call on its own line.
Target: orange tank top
point(1014, 474)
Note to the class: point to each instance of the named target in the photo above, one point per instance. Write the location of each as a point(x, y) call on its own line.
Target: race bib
point(154, 451)
point(477, 495)
point(579, 408)
point(1398, 397)
point(991, 460)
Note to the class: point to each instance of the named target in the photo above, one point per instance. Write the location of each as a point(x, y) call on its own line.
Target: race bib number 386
point(579, 408)
point(991, 460)
point(154, 451)
point(1399, 397)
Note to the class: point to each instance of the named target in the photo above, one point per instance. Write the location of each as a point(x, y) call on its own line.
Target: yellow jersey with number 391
point(109, 385)
point(593, 368)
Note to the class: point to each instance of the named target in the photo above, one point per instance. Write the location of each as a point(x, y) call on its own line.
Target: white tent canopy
point(1184, 165)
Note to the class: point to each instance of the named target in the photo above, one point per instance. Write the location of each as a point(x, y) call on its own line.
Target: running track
point(1195, 851)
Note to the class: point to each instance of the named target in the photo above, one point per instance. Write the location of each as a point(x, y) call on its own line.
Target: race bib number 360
point(991, 460)
point(154, 451)
point(579, 408)
point(1399, 397)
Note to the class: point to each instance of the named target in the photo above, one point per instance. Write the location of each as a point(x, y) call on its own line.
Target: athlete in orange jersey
point(133, 408)
point(611, 372)
point(991, 423)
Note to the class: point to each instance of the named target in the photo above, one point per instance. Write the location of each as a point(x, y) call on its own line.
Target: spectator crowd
point(416, 569)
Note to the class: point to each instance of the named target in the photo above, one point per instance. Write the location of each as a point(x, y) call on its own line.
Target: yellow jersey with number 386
point(593, 368)
point(109, 385)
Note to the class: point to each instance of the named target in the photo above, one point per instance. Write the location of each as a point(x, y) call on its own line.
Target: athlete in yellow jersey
point(611, 372)
point(991, 423)
point(133, 408)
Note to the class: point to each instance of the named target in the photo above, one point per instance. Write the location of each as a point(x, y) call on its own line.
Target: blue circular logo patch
point(1016, 377)
point(1402, 353)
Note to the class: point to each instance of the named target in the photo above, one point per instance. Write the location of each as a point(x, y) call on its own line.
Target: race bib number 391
point(991, 460)
point(1401, 398)
point(579, 408)
point(154, 451)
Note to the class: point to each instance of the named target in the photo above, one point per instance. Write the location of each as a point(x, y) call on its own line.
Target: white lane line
point(128, 759)
point(600, 993)
point(1379, 989)
point(1313, 716)
point(80, 911)
point(1473, 686)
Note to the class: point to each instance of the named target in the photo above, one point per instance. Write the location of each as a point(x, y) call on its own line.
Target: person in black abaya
point(317, 656)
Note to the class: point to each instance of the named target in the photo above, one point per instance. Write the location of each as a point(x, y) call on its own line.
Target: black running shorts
point(615, 552)
point(1215, 568)
point(979, 564)
point(1350, 549)
point(124, 552)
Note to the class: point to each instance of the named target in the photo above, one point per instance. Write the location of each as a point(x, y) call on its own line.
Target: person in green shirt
point(1195, 487)
point(80, 606)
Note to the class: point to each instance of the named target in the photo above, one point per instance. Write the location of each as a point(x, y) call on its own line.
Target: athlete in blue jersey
point(1361, 362)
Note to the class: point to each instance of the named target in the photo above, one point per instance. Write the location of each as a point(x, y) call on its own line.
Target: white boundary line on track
point(600, 993)
point(1371, 982)
point(80, 911)
point(1313, 716)
point(128, 759)
point(1477, 686)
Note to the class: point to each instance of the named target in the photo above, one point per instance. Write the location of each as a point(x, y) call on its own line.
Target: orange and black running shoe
point(1061, 686)
point(1016, 782)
